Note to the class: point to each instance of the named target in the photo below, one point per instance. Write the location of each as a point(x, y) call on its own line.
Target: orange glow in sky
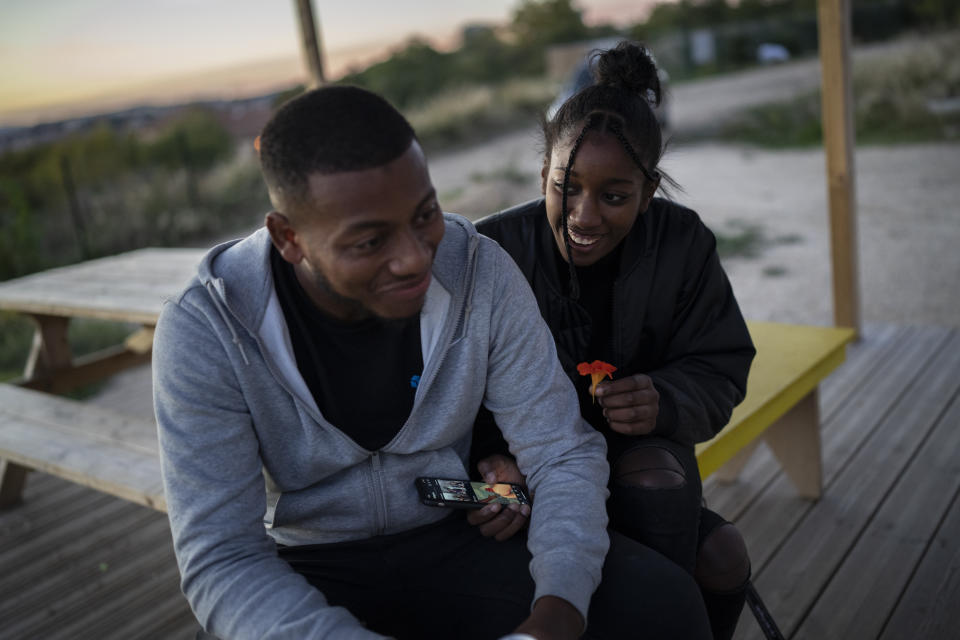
point(66, 57)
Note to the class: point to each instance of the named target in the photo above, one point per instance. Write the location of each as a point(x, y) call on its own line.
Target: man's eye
point(370, 244)
point(429, 213)
point(571, 189)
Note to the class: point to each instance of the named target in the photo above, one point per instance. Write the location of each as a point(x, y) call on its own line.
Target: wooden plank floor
point(878, 556)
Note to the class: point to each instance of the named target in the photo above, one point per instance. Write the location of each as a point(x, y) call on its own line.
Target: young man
point(310, 372)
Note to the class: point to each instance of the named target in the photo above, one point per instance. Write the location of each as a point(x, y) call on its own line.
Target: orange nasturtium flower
point(597, 370)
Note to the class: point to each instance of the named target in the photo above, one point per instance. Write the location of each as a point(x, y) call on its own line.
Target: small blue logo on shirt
point(415, 381)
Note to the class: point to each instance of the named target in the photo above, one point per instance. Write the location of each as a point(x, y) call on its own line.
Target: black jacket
point(674, 314)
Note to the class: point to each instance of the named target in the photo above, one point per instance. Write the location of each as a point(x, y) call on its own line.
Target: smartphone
point(464, 494)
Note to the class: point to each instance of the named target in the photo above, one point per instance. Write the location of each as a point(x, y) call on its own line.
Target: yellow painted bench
point(781, 406)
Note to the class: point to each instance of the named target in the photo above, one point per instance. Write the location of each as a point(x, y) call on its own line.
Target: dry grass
point(895, 100)
point(471, 113)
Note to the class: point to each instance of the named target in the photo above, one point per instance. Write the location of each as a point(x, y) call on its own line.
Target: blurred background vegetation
point(188, 180)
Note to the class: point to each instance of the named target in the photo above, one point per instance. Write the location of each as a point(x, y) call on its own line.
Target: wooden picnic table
point(69, 439)
point(128, 287)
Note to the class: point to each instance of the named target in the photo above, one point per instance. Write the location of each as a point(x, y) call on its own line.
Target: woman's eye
point(615, 198)
point(571, 189)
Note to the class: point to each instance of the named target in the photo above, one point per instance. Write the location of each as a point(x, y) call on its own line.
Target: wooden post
point(833, 19)
point(76, 213)
point(310, 44)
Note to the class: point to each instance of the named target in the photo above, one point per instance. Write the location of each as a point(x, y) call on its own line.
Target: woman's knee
point(650, 467)
point(723, 563)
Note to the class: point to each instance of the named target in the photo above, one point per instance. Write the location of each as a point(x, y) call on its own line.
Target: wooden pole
point(833, 19)
point(310, 44)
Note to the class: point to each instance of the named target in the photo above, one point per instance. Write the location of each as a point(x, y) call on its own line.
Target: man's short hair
point(329, 130)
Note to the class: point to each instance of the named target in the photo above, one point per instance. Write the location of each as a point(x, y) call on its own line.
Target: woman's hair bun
point(630, 67)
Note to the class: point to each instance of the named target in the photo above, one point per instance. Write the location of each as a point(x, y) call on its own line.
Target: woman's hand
point(495, 520)
point(630, 404)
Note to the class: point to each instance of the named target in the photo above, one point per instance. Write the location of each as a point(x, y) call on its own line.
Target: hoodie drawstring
point(211, 290)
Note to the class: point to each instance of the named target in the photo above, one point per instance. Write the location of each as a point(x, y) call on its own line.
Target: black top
point(363, 375)
point(596, 297)
point(672, 313)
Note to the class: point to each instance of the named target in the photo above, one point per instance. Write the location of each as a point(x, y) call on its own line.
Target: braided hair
point(626, 88)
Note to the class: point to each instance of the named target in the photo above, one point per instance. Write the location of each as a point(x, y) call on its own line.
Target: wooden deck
point(878, 556)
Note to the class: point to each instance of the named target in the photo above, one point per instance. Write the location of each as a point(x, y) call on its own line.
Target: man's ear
point(284, 237)
point(649, 189)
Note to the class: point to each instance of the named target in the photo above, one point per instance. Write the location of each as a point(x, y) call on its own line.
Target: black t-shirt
point(596, 297)
point(363, 375)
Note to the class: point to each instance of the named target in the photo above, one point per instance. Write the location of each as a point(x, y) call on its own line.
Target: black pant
point(672, 521)
point(666, 519)
point(446, 580)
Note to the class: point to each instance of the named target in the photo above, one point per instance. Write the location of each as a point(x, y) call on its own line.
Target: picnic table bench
point(77, 441)
point(119, 455)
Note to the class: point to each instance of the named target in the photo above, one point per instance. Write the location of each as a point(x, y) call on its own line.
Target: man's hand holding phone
point(495, 520)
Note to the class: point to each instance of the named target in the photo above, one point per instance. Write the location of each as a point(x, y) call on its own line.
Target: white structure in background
point(703, 47)
point(772, 53)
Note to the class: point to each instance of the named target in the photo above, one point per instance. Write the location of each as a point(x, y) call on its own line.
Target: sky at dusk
point(68, 57)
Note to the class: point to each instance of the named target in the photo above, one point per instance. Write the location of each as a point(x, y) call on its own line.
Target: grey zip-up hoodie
point(248, 459)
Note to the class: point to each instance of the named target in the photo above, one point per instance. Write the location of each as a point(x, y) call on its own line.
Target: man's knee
point(650, 467)
point(723, 563)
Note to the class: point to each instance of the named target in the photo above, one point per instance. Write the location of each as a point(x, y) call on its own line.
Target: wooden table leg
point(795, 441)
point(50, 351)
point(12, 479)
point(52, 368)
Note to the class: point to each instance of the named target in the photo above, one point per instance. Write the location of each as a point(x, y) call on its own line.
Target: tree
point(537, 23)
point(409, 76)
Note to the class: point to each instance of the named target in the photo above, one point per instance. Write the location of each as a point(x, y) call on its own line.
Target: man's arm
point(231, 574)
point(562, 457)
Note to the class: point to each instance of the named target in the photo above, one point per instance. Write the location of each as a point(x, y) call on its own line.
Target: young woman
point(634, 281)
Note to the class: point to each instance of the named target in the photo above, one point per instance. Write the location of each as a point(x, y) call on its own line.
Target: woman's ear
point(284, 237)
point(649, 189)
point(543, 178)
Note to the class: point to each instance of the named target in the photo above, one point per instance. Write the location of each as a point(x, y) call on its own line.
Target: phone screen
point(445, 492)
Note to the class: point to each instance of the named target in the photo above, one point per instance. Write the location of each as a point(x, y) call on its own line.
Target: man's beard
point(355, 309)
